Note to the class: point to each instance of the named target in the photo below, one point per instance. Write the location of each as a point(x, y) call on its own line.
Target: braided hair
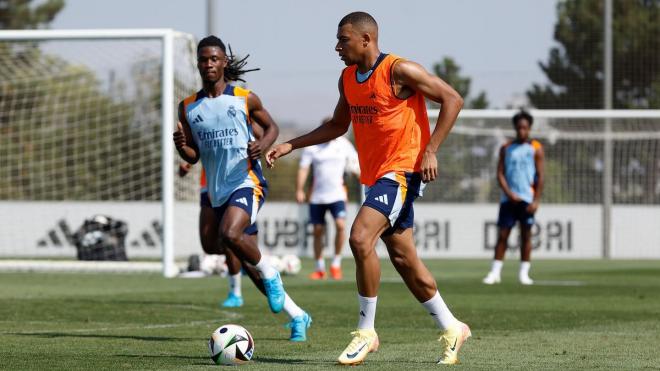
point(234, 68)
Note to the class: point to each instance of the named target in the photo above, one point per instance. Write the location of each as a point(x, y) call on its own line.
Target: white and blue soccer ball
point(291, 264)
point(231, 345)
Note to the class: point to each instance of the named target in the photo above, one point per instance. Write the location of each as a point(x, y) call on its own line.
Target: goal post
point(124, 99)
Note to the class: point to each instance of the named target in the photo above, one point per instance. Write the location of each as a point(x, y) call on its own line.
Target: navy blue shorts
point(317, 211)
point(511, 212)
point(247, 199)
point(393, 195)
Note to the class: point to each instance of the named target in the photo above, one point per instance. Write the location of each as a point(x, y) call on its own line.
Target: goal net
point(84, 117)
point(602, 181)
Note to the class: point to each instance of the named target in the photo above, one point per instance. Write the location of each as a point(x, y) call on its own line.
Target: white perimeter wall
point(38, 229)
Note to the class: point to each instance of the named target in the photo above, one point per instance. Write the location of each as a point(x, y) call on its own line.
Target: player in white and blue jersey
point(520, 175)
point(215, 125)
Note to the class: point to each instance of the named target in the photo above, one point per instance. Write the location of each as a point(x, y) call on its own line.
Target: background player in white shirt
point(329, 162)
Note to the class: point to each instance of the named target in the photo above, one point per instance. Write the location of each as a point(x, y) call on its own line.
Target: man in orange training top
point(383, 95)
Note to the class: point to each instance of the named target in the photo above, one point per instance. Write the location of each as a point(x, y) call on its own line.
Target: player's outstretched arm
point(413, 76)
point(329, 130)
point(183, 140)
point(263, 119)
point(300, 183)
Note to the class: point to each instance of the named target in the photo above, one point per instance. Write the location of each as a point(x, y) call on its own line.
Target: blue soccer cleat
point(275, 293)
point(233, 301)
point(299, 326)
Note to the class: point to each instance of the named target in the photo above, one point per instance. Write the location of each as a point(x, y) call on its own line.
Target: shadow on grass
point(292, 361)
point(54, 335)
point(333, 362)
point(200, 360)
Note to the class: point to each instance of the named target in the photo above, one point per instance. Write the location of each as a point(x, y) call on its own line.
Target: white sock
point(439, 311)
point(524, 269)
point(367, 312)
point(320, 265)
point(235, 284)
point(496, 267)
point(265, 269)
point(336, 261)
point(291, 308)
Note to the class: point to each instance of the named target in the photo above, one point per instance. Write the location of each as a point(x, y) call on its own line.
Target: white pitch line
point(559, 283)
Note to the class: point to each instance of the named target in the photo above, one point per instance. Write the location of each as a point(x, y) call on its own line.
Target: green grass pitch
point(582, 315)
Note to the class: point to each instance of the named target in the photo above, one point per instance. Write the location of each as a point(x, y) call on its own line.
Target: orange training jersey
point(390, 133)
point(202, 181)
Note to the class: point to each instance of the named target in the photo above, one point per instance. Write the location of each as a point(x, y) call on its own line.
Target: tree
point(575, 66)
point(449, 71)
point(20, 14)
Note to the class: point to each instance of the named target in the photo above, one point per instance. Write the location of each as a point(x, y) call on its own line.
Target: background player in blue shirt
point(520, 175)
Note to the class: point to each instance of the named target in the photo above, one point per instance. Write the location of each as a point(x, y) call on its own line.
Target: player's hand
point(254, 150)
point(278, 151)
point(184, 169)
point(300, 196)
point(531, 208)
point(429, 167)
point(179, 137)
point(514, 198)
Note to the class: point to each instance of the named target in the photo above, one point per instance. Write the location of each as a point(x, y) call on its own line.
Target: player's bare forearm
point(300, 178)
point(300, 184)
point(539, 162)
point(446, 120)
point(188, 154)
point(270, 135)
point(326, 132)
point(331, 129)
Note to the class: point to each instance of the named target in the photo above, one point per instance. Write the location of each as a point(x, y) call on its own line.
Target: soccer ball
point(231, 345)
point(291, 264)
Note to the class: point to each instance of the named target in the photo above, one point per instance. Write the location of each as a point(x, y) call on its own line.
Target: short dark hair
point(523, 115)
point(358, 19)
point(211, 41)
point(234, 69)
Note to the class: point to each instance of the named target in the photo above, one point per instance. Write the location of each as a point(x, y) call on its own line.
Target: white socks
point(496, 267)
point(367, 312)
point(439, 311)
point(291, 308)
point(320, 265)
point(265, 269)
point(524, 269)
point(336, 261)
point(235, 284)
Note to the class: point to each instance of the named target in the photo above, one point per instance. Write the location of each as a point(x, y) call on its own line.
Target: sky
point(498, 43)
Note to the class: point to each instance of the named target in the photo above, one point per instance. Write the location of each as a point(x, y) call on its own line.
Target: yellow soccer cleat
point(364, 342)
point(451, 341)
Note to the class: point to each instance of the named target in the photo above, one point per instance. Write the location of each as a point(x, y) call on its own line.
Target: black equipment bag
point(101, 238)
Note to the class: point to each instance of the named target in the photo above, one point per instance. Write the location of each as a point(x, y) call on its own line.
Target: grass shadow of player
point(289, 361)
point(200, 360)
point(54, 335)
